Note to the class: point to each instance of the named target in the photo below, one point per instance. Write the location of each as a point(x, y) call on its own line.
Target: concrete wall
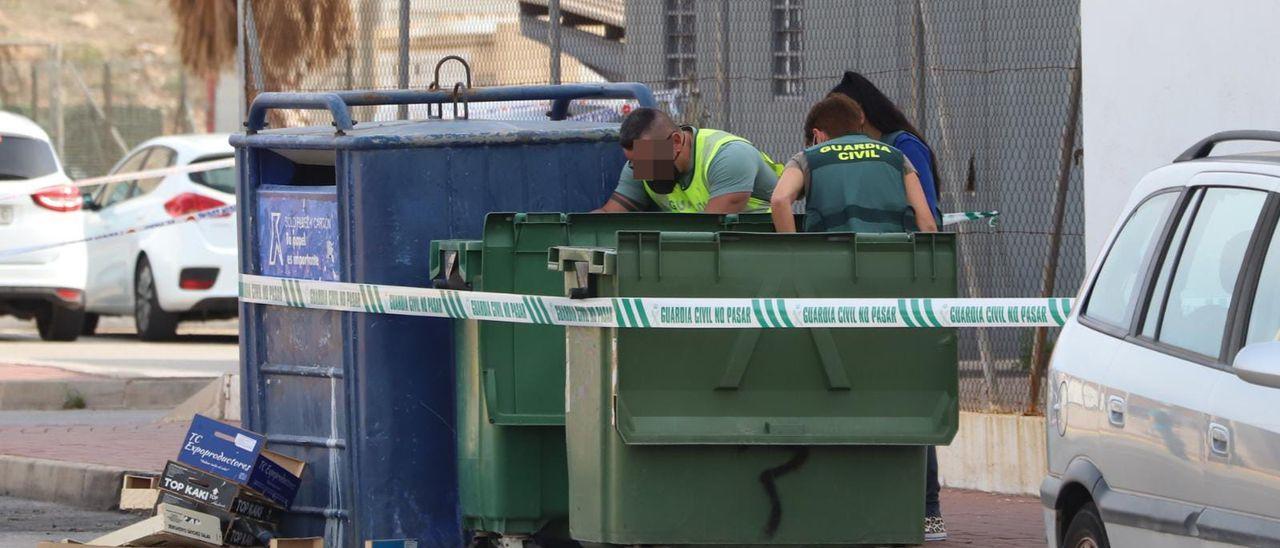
point(995, 453)
point(1159, 78)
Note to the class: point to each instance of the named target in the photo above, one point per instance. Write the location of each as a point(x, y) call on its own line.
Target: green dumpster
point(756, 436)
point(511, 449)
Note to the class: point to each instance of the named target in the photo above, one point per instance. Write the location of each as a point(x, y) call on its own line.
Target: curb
point(90, 486)
point(138, 393)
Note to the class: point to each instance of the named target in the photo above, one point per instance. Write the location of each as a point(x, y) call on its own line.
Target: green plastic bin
point(751, 436)
point(511, 448)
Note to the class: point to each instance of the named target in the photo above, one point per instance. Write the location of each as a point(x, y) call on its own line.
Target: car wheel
point(59, 323)
point(1086, 530)
point(152, 322)
point(90, 324)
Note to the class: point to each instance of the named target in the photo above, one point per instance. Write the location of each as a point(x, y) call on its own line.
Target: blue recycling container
point(367, 400)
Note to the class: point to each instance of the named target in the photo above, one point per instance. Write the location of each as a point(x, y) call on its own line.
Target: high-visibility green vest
point(706, 143)
point(855, 185)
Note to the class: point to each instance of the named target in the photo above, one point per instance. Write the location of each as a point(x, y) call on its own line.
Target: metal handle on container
point(308, 101)
point(339, 102)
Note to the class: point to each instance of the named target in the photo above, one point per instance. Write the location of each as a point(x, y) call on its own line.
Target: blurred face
point(655, 159)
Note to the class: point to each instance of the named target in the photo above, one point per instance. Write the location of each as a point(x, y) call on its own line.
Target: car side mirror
point(1259, 364)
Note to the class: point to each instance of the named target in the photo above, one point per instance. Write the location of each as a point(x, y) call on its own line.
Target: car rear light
point(68, 294)
point(189, 203)
point(59, 198)
point(197, 278)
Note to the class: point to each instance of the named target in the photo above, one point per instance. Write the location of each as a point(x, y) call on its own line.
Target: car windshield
point(223, 179)
point(24, 158)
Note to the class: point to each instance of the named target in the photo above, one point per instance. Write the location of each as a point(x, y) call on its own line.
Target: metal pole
point(966, 249)
point(553, 16)
point(55, 95)
point(107, 102)
point(1047, 283)
point(243, 56)
point(35, 92)
point(403, 110)
point(921, 95)
point(726, 122)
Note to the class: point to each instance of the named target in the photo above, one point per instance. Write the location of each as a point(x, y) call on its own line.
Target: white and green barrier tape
point(646, 312)
point(953, 218)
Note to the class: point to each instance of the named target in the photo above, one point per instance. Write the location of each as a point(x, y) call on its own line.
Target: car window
point(1264, 320)
point(114, 193)
point(1204, 278)
point(134, 163)
point(160, 157)
point(1151, 319)
point(24, 158)
point(1116, 286)
point(218, 179)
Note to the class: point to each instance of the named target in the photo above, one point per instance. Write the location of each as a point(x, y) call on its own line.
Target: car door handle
point(1115, 411)
point(1219, 439)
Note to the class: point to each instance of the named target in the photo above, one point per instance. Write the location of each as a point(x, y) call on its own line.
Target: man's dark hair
point(835, 115)
point(641, 123)
point(882, 113)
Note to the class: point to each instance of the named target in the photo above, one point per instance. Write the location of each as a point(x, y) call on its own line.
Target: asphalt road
point(202, 349)
point(23, 523)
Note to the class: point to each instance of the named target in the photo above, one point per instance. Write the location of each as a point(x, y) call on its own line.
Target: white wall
point(1161, 75)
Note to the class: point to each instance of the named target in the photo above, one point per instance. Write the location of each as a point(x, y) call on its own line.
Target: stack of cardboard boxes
point(224, 489)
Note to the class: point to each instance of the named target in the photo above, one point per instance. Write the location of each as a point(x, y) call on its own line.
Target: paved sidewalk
point(201, 349)
point(128, 440)
point(135, 441)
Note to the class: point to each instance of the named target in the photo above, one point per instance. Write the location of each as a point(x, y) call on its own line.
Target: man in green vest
point(688, 170)
point(850, 182)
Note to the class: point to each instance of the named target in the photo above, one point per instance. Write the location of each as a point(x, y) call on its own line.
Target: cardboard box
point(247, 532)
point(310, 542)
point(139, 492)
point(216, 495)
point(240, 456)
point(236, 530)
point(171, 526)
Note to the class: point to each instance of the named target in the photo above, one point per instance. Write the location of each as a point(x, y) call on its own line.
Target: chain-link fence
point(95, 110)
point(988, 82)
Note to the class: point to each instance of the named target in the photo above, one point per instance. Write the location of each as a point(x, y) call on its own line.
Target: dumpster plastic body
point(758, 436)
point(367, 400)
point(512, 465)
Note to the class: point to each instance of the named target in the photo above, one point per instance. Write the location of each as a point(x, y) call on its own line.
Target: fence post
point(35, 91)
point(107, 114)
point(55, 99)
point(1049, 279)
point(553, 38)
point(922, 69)
point(722, 69)
point(402, 111)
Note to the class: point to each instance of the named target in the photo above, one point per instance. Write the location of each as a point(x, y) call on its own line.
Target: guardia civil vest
point(855, 185)
point(706, 143)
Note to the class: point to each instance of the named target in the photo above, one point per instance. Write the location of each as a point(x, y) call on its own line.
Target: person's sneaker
point(935, 529)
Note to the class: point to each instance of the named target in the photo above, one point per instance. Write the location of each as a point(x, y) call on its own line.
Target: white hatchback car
point(39, 209)
point(1164, 414)
point(164, 275)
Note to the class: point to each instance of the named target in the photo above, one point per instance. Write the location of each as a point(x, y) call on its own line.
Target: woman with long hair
point(886, 123)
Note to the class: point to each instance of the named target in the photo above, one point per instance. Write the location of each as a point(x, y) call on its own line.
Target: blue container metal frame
point(368, 400)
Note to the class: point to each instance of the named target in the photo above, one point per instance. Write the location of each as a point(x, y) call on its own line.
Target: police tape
point(206, 214)
point(953, 218)
point(654, 312)
point(195, 167)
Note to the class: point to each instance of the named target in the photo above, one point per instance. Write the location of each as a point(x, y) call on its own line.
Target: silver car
point(1164, 398)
